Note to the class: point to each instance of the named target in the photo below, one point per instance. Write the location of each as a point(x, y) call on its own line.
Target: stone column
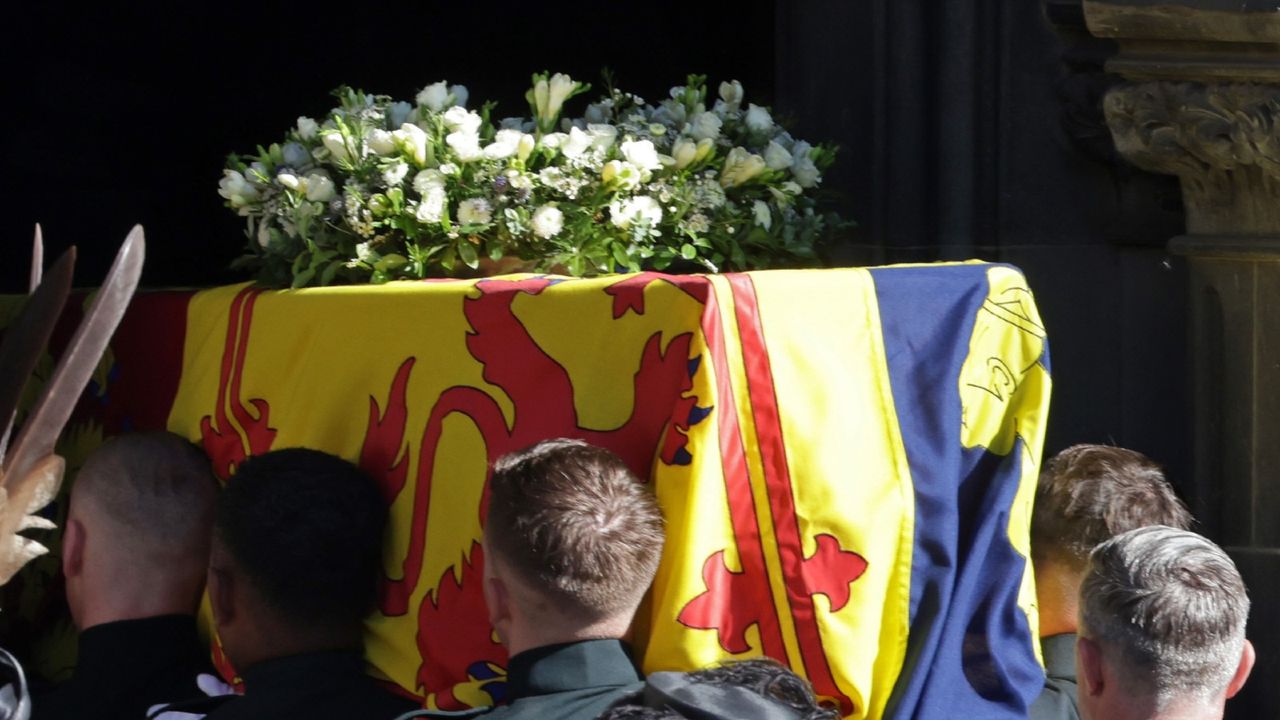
point(1201, 100)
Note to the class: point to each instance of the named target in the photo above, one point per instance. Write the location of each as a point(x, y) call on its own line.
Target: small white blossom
point(602, 135)
point(465, 145)
point(427, 180)
point(547, 221)
point(624, 213)
point(642, 154)
point(803, 169)
point(380, 142)
point(731, 94)
point(238, 191)
point(505, 144)
point(763, 216)
point(336, 145)
point(577, 143)
point(705, 126)
point(307, 128)
point(288, 180)
point(319, 187)
point(459, 119)
point(740, 167)
point(475, 211)
point(621, 175)
point(432, 207)
point(412, 141)
point(395, 174)
point(434, 96)
point(758, 119)
point(776, 156)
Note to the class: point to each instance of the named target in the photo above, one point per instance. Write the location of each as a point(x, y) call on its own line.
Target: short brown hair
point(1088, 494)
point(573, 521)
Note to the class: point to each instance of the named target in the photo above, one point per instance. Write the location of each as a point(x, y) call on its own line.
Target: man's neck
point(108, 609)
point(536, 635)
point(1057, 592)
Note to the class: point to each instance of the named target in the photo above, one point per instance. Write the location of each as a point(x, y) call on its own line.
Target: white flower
point(740, 166)
point(319, 188)
point(731, 94)
point(412, 141)
point(449, 169)
point(238, 191)
point(548, 97)
point(295, 155)
point(264, 235)
point(763, 216)
point(307, 128)
point(432, 207)
point(758, 119)
point(623, 213)
point(336, 145)
point(670, 113)
point(684, 152)
point(547, 221)
point(475, 211)
point(642, 154)
point(705, 126)
point(434, 96)
point(288, 180)
point(398, 113)
point(776, 156)
point(505, 144)
point(460, 119)
point(803, 168)
point(577, 143)
point(466, 145)
point(621, 175)
point(380, 142)
point(602, 135)
point(426, 180)
point(395, 174)
point(553, 141)
point(526, 146)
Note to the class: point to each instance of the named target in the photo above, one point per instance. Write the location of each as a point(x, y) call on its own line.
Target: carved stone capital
point(1221, 140)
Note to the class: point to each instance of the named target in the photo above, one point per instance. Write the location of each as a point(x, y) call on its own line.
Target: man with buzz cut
point(134, 554)
point(1086, 495)
point(1162, 628)
point(572, 542)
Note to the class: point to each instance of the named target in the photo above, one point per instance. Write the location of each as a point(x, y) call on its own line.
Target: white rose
point(763, 216)
point(395, 174)
point(705, 126)
point(740, 166)
point(777, 157)
point(475, 211)
point(319, 188)
point(623, 213)
point(336, 145)
point(642, 154)
point(803, 169)
point(460, 119)
point(412, 141)
point(238, 191)
point(434, 96)
point(731, 94)
point(758, 119)
point(577, 143)
point(460, 94)
point(380, 142)
point(426, 180)
point(684, 152)
point(432, 207)
point(602, 135)
point(547, 221)
point(621, 175)
point(398, 113)
point(465, 145)
point(307, 128)
point(504, 145)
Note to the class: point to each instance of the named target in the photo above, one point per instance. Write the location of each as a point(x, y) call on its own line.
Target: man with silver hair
point(1162, 621)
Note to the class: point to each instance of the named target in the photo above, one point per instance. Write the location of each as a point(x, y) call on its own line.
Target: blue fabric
point(969, 650)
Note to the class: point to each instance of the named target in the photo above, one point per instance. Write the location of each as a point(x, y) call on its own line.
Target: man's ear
point(497, 597)
point(1089, 667)
point(221, 588)
point(73, 540)
point(1242, 671)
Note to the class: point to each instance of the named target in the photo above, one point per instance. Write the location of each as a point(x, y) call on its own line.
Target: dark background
point(968, 129)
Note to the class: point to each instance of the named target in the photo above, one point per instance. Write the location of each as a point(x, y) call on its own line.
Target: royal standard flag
point(846, 458)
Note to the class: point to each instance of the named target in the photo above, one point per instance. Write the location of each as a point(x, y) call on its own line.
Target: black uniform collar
point(298, 671)
point(122, 647)
point(570, 666)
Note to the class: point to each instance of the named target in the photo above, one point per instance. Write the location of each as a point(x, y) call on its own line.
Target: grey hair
point(1174, 606)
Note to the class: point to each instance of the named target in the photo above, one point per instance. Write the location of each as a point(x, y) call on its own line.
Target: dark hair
point(305, 528)
point(757, 688)
point(1088, 494)
point(573, 521)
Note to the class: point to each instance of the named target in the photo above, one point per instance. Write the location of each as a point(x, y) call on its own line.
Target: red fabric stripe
point(773, 453)
point(742, 505)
